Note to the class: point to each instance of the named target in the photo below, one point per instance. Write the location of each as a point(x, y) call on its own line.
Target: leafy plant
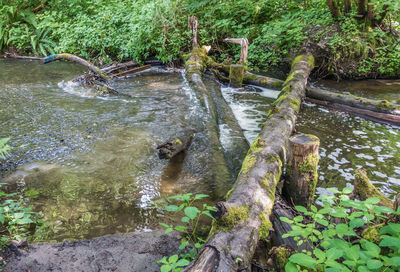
point(4, 147)
point(190, 219)
point(17, 220)
point(336, 240)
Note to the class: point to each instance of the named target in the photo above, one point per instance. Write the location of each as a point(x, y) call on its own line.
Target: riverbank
point(101, 31)
point(125, 252)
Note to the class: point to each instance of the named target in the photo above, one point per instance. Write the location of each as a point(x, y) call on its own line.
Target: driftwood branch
point(15, 56)
point(79, 60)
point(249, 204)
point(244, 43)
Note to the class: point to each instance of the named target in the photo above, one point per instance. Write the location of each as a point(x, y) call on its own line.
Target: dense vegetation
point(347, 42)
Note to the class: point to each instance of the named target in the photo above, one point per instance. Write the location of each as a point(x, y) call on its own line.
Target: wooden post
point(244, 43)
point(236, 75)
point(192, 24)
point(302, 174)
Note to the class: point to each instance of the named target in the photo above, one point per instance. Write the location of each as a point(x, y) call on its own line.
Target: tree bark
point(381, 106)
point(174, 146)
point(364, 189)
point(347, 6)
point(244, 44)
point(79, 60)
point(334, 8)
point(245, 216)
point(262, 81)
point(361, 8)
point(302, 175)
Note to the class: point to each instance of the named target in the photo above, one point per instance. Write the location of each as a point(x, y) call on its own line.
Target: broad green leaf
point(173, 258)
point(374, 264)
point(185, 219)
point(18, 215)
point(165, 268)
point(372, 200)
point(285, 219)
point(323, 222)
point(191, 212)
point(389, 241)
point(169, 230)
point(347, 190)
point(165, 225)
point(298, 218)
point(334, 253)
point(200, 196)
point(291, 267)
point(356, 223)
point(182, 262)
point(319, 254)
point(171, 208)
point(303, 260)
point(301, 209)
point(342, 229)
point(180, 228)
point(371, 248)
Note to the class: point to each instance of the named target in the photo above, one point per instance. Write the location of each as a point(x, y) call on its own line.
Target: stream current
point(94, 161)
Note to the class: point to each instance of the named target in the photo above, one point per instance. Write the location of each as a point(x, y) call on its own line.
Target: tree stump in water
point(302, 169)
point(236, 75)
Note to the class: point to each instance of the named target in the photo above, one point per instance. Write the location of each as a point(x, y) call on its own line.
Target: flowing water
point(347, 142)
point(94, 161)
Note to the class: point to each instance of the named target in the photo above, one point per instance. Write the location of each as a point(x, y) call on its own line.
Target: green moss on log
point(310, 166)
point(281, 256)
point(364, 188)
point(385, 105)
point(266, 225)
point(235, 216)
point(236, 74)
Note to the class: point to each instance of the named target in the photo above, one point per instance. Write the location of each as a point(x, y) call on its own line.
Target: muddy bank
point(128, 252)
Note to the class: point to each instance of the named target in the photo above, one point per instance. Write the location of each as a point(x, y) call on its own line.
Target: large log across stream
point(244, 217)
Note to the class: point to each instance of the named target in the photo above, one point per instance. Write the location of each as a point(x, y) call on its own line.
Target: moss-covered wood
point(232, 248)
point(377, 110)
point(174, 146)
point(301, 171)
point(236, 74)
point(363, 188)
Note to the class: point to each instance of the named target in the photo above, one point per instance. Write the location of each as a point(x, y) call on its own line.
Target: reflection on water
point(347, 142)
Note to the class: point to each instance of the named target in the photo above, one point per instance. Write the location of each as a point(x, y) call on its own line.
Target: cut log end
point(302, 174)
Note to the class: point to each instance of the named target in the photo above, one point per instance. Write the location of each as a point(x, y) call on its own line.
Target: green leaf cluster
point(191, 243)
point(335, 239)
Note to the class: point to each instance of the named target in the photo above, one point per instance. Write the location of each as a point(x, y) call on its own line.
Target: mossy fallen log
point(244, 217)
point(382, 106)
point(262, 81)
point(207, 136)
point(378, 117)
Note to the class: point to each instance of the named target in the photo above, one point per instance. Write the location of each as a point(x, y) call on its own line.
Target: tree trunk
point(245, 216)
point(381, 106)
point(347, 6)
point(361, 8)
point(207, 129)
point(262, 81)
point(334, 8)
point(302, 174)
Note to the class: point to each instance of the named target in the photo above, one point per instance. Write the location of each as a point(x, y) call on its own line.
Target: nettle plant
point(191, 243)
point(345, 235)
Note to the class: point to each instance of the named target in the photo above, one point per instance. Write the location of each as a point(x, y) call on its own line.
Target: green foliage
point(4, 147)
point(333, 234)
point(17, 220)
point(190, 219)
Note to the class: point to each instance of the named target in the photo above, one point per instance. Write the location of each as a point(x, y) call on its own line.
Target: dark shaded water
point(94, 160)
